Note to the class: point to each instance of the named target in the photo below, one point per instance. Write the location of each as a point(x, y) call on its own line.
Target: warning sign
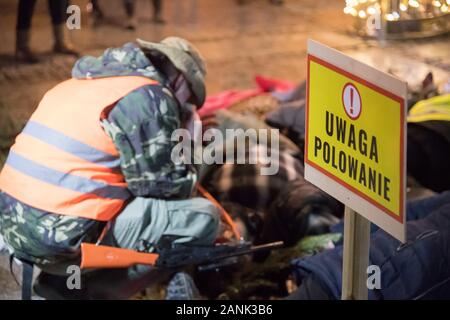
point(355, 136)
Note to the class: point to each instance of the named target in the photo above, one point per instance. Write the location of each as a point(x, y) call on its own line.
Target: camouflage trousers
point(52, 241)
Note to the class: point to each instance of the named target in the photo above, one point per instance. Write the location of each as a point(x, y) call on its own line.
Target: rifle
point(98, 256)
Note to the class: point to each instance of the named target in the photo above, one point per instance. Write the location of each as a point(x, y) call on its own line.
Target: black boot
point(157, 9)
point(23, 52)
point(53, 287)
point(276, 2)
point(62, 42)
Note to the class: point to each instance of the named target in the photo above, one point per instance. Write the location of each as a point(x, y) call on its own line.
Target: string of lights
point(398, 9)
point(403, 11)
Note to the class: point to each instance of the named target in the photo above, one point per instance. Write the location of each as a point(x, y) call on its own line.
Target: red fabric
point(227, 98)
point(270, 84)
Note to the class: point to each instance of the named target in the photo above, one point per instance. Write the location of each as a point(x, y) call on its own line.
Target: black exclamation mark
point(351, 101)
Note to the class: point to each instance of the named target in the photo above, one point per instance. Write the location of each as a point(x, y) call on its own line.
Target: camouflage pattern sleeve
point(51, 241)
point(141, 126)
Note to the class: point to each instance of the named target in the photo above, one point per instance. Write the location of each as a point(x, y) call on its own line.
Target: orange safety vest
point(63, 161)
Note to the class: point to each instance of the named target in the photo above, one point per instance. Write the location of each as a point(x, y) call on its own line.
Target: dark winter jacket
point(418, 269)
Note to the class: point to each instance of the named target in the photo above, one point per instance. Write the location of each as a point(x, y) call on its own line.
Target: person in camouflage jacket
point(140, 125)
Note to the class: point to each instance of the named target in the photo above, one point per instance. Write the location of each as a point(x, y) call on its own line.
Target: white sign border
point(329, 185)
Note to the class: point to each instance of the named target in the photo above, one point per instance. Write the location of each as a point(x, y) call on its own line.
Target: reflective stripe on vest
point(63, 161)
point(433, 109)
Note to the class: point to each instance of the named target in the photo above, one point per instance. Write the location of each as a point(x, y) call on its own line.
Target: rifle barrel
point(253, 249)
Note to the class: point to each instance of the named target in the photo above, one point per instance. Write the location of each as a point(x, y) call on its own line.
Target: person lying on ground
point(417, 269)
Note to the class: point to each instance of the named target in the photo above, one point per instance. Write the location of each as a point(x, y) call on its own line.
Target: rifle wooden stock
point(96, 256)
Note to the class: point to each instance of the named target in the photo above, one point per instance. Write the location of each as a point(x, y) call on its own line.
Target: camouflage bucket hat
point(186, 58)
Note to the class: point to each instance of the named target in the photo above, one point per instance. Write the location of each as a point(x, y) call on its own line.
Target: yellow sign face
point(355, 136)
